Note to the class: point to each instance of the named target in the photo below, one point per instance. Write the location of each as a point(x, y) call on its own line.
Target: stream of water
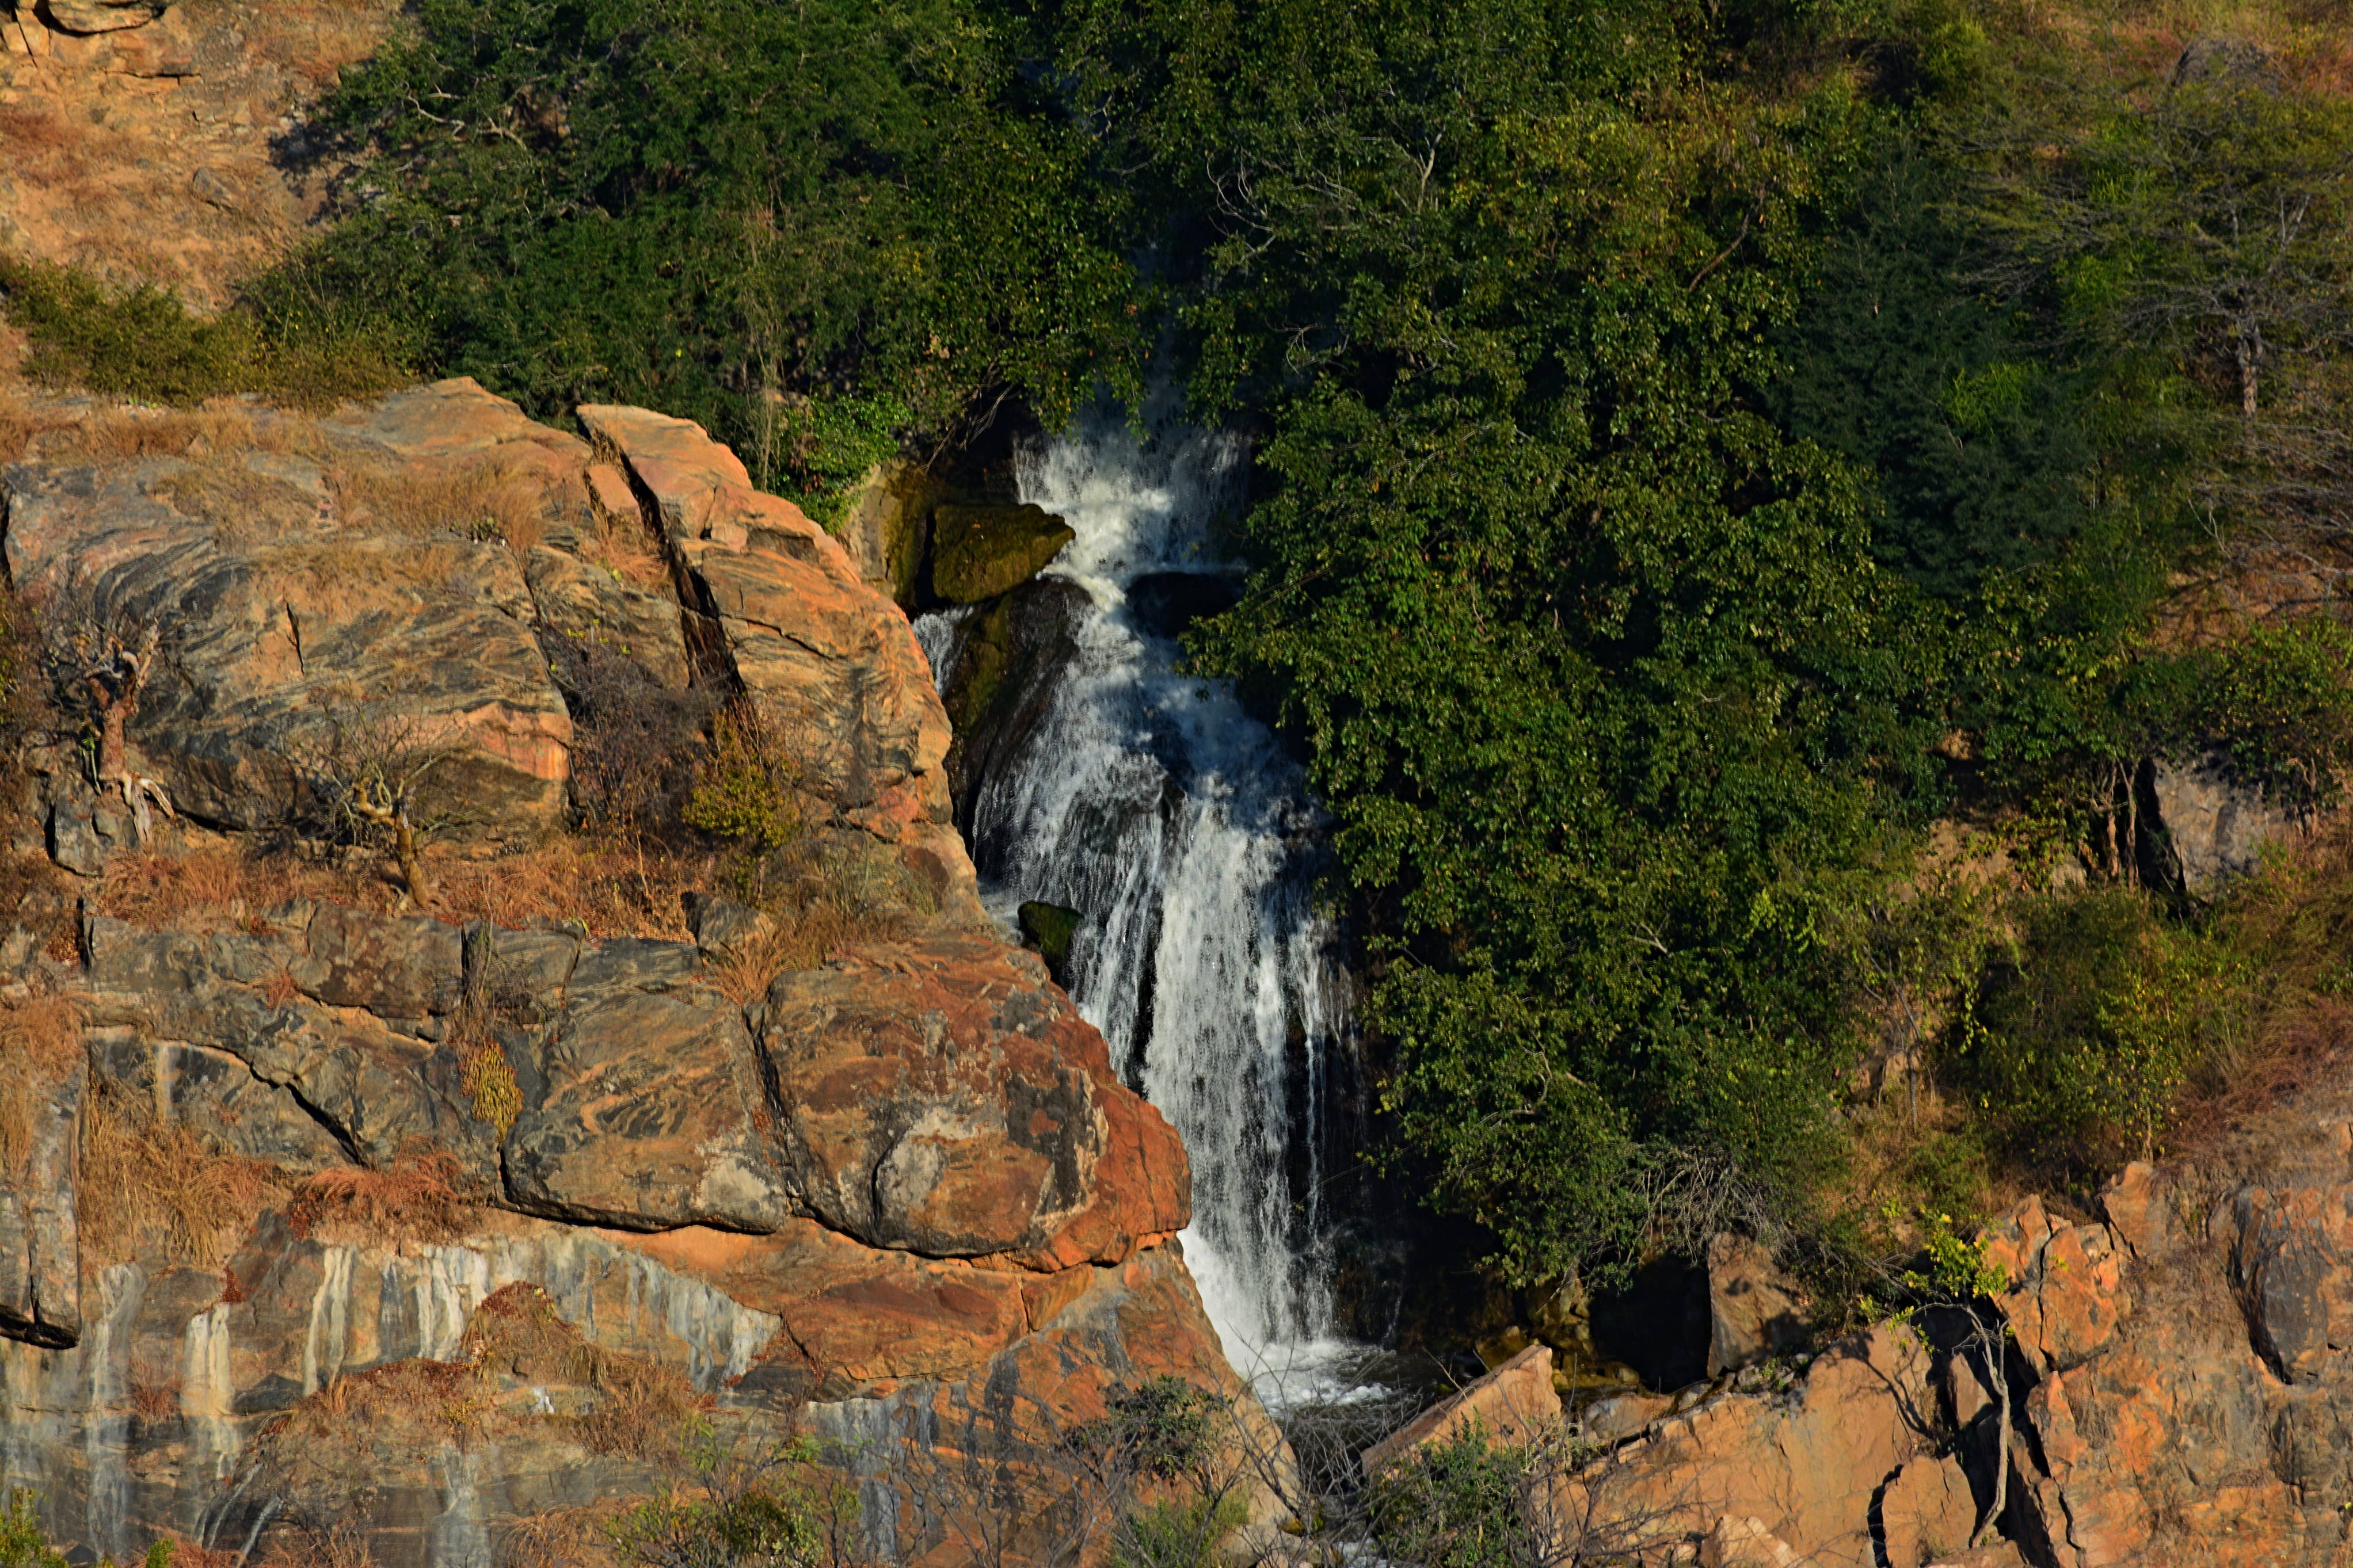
point(1177, 825)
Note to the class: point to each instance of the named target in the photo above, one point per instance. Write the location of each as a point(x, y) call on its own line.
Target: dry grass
point(336, 564)
point(40, 1042)
point(21, 423)
point(483, 499)
point(602, 890)
point(416, 1201)
point(146, 1183)
point(820, 896)
point(622, 546)
point(244, 507)
point(224, 889)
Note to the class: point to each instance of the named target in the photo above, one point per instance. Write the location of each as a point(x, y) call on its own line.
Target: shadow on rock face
point(1658, 1324)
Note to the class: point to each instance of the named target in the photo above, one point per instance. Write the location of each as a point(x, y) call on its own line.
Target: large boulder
point(1754, 1310)
point(947, 1099)
point(830, 664)
point(980, 551)
point(2212, 825)
point(292, 599)
point(1515, 1404)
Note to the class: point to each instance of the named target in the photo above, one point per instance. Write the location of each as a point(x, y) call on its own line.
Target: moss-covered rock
point(981, 551)
point(1002, 680)
point(1048, 931)
point(886, 526)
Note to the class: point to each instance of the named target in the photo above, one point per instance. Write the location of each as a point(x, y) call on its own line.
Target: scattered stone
point(1755, 1310)
point(1513, 1404)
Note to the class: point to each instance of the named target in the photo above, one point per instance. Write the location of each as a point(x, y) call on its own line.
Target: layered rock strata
point(422, 1233)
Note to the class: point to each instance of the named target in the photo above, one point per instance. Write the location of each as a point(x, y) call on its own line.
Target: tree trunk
point(114, 712)
point(412, 864)
point(1998, 1359)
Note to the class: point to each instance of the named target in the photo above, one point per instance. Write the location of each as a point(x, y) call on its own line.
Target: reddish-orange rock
point(947, 1099)
point(830, 661)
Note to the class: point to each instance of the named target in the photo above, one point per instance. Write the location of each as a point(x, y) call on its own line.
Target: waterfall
point(1150, 801)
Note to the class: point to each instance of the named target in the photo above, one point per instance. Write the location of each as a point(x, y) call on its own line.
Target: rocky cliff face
point(2179, 1387)
point(326, 1219)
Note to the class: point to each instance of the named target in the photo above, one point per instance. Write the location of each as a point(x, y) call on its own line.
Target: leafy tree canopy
point(819, 227)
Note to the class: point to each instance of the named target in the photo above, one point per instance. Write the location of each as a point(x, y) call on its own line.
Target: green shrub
point(143, 344)
point(25, 1544)
point(754, 1510)
point(747, 790)
point(2283, 707)
point(1462, 1502)
point(721, 208)
point(2084, 1033)
point(1174, 1534)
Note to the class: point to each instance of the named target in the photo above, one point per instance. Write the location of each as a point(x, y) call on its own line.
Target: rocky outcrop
point(414, 572)
point(304, 576)
point(830, 664)
point(2211, 825)
point(2180, 1382)
point(902, 1200)
point(1812, 1461)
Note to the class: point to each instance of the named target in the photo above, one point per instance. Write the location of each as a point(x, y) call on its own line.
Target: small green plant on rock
point(753, 1510)
point(25, 1544)
point(747, 791)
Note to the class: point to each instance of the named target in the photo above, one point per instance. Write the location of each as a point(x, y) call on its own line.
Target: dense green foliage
point(818, 227)
point(1698, 448)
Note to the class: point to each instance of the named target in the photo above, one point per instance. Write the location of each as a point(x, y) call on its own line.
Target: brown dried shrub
point(516, 1332)
point(161, 1184)
point(202, 890)
point(155, 1392)
point(622, 546)
point(416, 1201)
point(561, 1537)
point(40, 1044)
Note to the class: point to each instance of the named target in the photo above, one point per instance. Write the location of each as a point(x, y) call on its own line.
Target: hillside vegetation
point(1741, 490)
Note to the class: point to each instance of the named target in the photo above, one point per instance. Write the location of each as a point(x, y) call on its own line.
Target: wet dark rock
point(1167, 602)
point(1004, 678)
point(1048, 931)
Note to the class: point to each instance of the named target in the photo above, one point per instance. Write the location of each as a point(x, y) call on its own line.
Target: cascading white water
point(1174, 823)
